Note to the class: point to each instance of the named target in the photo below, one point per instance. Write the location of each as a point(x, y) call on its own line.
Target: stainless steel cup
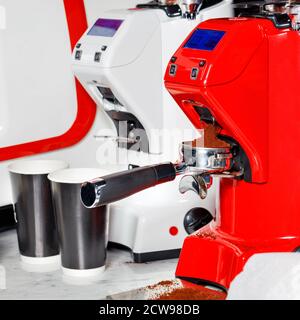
point(36, 227)
point(83, 233)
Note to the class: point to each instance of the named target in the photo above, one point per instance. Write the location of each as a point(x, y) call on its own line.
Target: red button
point(173, 231)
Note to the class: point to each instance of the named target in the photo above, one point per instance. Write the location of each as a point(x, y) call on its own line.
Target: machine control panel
point(201, 42)
point(95, 42)
point(109, 36)
point(218, 44)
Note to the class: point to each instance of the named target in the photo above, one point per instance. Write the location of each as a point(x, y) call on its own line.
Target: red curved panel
point(86, 108)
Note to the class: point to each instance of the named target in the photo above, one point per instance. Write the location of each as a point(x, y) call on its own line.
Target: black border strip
point(7, 218)
point(148, 256)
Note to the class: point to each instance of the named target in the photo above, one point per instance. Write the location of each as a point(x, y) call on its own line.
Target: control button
point(173, 69)
point(97, 57)
point(194, 73)
point(78, 54)
point(103, 48)
point(78, 45)
point(202, 63)
point(173, 59)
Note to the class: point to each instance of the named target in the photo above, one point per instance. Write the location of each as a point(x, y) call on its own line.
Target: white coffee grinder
point(121, 61)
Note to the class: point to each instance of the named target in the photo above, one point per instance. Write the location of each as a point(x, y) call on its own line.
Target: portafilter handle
point(115, 187)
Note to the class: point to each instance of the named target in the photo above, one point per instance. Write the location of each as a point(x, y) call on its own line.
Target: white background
point(37, 95)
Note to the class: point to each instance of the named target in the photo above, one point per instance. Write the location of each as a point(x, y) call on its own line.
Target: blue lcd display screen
point(105, 28)
point(203, 39)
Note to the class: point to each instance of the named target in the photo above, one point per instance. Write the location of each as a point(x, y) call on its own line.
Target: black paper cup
point(83, 233)
point(36, 226)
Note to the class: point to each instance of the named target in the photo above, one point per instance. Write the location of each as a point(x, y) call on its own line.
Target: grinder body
point(245, 71)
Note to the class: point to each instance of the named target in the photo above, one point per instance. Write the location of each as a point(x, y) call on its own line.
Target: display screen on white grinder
point(105, 27)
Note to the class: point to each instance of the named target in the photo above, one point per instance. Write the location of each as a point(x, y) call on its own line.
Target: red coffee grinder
point(242, 75)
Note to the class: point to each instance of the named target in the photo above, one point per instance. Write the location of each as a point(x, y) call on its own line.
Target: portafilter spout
point(198, 183)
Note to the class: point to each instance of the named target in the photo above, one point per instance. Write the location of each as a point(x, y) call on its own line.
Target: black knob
point(196, 218)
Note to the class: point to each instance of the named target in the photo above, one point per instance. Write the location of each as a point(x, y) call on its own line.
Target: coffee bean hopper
point(241, 76)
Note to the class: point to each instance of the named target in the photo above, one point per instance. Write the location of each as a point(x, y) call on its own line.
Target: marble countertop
point(121, 275)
